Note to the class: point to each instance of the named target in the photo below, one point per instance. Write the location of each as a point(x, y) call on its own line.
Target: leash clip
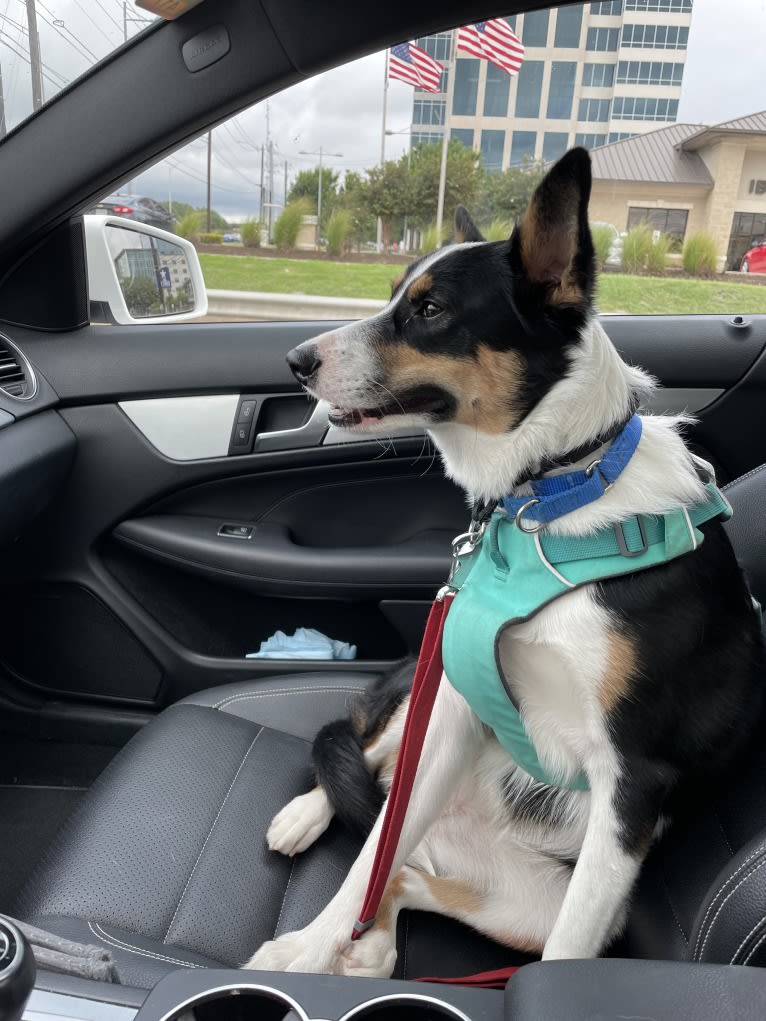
point(462, 546)
point(519, 515)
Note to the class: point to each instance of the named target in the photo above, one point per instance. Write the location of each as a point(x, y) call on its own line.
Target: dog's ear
point(552, 245)
point(465, 228)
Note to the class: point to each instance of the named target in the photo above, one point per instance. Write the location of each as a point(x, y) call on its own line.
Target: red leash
point(424, 688)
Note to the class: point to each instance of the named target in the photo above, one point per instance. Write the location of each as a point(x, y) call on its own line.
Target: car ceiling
point(274, 44)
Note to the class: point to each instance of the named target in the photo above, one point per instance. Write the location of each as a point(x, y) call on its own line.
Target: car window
point(47, 44)
point(319, 197)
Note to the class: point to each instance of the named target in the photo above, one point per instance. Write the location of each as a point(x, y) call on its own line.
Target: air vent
point(16, 376)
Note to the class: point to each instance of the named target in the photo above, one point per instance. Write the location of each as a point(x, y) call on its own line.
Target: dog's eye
point(429, 310)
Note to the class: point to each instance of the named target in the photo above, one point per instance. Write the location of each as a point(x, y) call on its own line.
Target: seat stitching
point(284, 898)
point(751, 933)
point(672, 907)
point(723, 833)
point(279, 691)
point(406, 943)
point(720, 891)
point(202, 849)
point(747, 475)
point(723, 904)
point(106, 937)
point(757, 947)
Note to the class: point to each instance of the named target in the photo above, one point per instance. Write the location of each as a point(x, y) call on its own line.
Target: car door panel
point(127, 593)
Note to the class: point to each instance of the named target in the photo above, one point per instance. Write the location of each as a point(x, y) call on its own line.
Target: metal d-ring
point(519, 515)
point(592, 467)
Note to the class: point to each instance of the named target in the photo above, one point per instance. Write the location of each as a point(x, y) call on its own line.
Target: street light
point(320, 152)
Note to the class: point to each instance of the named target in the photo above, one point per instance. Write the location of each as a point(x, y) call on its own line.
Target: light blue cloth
point(306, 643)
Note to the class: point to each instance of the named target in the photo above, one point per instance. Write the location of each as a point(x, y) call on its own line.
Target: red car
point(754, 259)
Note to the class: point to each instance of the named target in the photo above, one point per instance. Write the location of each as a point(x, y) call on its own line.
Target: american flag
point(410, 64)
point(494, 41)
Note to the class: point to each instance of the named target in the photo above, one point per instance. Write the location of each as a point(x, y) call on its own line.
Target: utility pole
point(260, 200)
point(285, 188)
point(271, 184)
point(34, 56)
point(209, 168)
point(320, 152)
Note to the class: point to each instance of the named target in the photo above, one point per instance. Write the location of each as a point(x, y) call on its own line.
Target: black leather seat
point(165, 860)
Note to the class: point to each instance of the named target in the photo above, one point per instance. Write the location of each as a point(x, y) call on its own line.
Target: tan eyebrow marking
point(420, 287)
point(397, 282)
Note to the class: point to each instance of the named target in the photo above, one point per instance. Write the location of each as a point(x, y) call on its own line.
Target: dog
point(495, 349)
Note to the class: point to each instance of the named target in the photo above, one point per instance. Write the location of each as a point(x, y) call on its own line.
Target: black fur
point(701, 683)
point(338, 751)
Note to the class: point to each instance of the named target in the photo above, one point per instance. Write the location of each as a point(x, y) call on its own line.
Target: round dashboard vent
point(17, 378)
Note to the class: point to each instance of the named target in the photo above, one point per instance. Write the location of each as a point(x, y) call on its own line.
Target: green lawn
point(617, 292)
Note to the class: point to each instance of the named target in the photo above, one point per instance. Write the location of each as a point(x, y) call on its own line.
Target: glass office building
point(593, 73)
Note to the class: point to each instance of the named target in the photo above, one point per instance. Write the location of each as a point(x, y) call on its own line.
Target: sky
point(340, 111)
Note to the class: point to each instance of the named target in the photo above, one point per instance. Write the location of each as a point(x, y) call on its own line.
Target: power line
point(81, 48)
point(11, 44)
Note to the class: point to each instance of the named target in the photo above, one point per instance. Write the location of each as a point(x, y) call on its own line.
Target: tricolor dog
point(568, 713)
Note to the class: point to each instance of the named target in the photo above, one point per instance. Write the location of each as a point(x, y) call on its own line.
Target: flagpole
point(379, 240)
point(451, 65)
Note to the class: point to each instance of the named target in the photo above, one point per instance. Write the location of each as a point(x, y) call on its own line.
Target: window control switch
point(232, 531)
point(246, 412)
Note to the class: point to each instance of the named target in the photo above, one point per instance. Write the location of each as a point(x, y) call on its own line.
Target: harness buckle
point(621, 543)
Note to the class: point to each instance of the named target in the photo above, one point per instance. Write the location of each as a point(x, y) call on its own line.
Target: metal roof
point(754, 123)
point(655, 157)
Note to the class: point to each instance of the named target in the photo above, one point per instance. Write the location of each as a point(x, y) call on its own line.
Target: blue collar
point(553, 497)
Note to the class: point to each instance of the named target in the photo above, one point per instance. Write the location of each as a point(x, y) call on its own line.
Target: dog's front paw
point(300, 823)
point(296, 951)
point(372, 956)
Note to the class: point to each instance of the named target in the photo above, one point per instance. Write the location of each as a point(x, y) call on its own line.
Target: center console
point(603, 989)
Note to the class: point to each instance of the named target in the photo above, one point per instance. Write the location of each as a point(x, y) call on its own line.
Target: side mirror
point(141, 274)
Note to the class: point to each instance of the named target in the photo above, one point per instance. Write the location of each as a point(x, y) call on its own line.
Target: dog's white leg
point(601, 881)
point(511, 893)
point(454, 736)
point(302, 821)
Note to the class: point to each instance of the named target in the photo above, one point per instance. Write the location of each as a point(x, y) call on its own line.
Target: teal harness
point(508, 574)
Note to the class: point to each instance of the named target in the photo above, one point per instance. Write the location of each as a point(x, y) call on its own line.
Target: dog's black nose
point(304, 361)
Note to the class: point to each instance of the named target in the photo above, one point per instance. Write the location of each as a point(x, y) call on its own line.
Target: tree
point(306, 185)
point(463, 177)
point(353, 197)
point(505, 195)
point(388, 194)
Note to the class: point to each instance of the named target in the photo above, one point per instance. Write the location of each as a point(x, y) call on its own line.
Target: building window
point(649, 72)
point(511, 19)
point(529, 88)
point(426, 137)
point(568, 27)
point(657, 37)
point(747, 229)
point(496, 92)
point(620, 136)
point(554, 145)
point(598, 75)
point(492, 150)
point(535, 29)
point(663, 6)
point(668, 221)
point(463, 135)
point(561, 89)
point(593, 110)
point(466, 87)
point(590, 141)
point(610, 8)
point(523, 147)
point(641, 108)
point(439, 46)
point(428, 111)
point(602, 40)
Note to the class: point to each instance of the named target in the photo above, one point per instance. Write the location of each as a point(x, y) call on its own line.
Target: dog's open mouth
point(424, 400)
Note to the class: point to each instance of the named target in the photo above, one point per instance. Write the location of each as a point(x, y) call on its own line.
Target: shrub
point(213, 238)
point(657, 260)
point(189, 226)
point(250, 232)
point(289, 223)
point(603, 239)
point(700, 256)
point(430, 238)
point(498, 230)
point(338, 231)
point(636, 246)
